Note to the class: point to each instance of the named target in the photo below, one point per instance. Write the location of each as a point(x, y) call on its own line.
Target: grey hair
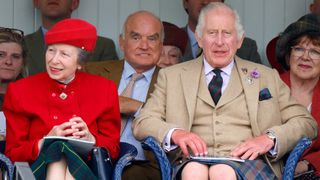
point(217, 5)
point(123, 31)
point(83, 56)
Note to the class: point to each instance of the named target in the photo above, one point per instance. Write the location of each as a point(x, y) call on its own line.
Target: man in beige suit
point(254, 119)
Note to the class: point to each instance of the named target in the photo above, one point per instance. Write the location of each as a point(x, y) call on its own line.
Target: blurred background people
point(12, 61)
point(298, 50)
point(12, 58)
point(62, 102)
point(174, 45)
point(141, 41)
point(51, 13)
point(315, 7)
point(248, 50)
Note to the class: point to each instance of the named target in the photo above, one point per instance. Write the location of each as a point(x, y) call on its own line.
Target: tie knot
point(217, 72)
point(136, 76)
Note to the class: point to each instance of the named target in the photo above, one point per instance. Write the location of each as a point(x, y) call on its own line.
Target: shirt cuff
point(138, 111)
point(274, 150)
point(166, 145)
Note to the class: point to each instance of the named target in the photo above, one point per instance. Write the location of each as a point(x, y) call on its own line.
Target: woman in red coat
point(298, 50)
point(62, 102)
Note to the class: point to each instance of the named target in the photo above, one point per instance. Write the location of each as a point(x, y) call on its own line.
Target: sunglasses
point(16, 33)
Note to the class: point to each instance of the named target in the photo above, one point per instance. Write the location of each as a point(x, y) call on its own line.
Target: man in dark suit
point(51, 13)
point(248, 50)
point(141, 41)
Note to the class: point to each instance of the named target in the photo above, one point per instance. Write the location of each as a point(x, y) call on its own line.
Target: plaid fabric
point(307, 176)
point(53, 152)
point(215, 86)
point(250, 169)
point(309, 23)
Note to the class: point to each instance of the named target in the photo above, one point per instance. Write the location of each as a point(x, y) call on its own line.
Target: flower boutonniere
point(254, 74)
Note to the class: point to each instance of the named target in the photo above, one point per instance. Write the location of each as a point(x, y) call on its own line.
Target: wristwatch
point(271, 136)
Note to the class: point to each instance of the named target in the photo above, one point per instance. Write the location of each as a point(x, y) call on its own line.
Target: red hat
point(74, 32)
point(175, 36)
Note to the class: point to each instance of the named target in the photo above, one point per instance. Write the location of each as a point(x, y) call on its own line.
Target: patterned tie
point(215, 86)
point(127, 92)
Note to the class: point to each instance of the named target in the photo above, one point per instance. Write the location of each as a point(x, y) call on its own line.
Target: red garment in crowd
point(312, 155)
point(34, 105)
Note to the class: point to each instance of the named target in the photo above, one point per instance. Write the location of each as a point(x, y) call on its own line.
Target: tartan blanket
point(53, 152)
point(250, 169)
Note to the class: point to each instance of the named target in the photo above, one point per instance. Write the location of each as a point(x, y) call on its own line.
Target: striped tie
point(215, 86)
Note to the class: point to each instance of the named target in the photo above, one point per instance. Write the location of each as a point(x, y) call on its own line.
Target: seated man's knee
point(222, 171)
point(194, 170)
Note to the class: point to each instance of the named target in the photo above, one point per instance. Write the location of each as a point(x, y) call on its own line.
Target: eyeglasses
point(16, 33)
point(299, 51)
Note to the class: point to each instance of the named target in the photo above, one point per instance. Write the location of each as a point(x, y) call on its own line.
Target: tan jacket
point(172, 105)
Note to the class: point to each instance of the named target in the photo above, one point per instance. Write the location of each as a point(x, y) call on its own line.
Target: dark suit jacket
point(113, 70)
point(105, 49)
point(247, 51)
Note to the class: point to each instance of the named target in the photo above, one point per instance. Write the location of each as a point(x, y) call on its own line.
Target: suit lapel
point(204, 93)
point(190, 79)
point(251, 90)
point(115, 72)
point(233, 89)
point(153, 81)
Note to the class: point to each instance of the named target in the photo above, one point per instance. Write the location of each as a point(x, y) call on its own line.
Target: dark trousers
point(142, 170)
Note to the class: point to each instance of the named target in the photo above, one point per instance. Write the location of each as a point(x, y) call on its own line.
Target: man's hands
point(252, 148)
point(185, 140)
point(128, 105)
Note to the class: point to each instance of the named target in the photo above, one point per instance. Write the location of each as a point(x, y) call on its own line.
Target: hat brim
point(293, 31)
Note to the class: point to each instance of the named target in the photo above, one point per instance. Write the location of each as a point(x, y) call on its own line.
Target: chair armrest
point(7, 165)
point(23, 171)
point(2, 145)
point(101, 163)
point(294, 157)
point(149, 143)
point(127, 153)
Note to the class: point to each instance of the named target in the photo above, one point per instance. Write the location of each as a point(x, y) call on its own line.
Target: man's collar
point(128, 70)
point(44, 30)
point(208, 68)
